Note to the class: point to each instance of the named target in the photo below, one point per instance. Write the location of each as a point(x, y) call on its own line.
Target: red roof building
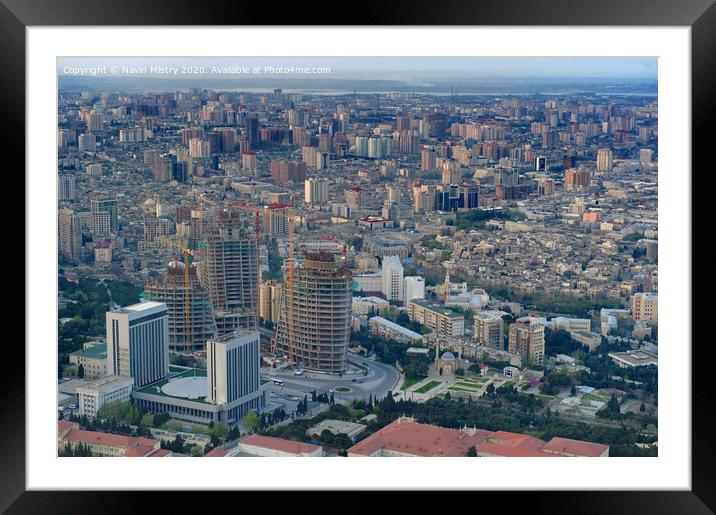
point(567, 447)
point(106, 444)
point(405, 437)
point(269, 446)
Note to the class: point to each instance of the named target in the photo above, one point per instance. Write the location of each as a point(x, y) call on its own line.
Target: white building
point(369, 281)
point(567, 324)
point(488, 329)
point(316, 190)
point(363, 305)
point(138, 342)
point(414, 288)
point(393, 331)
point(100, 391)
point(392, 281)
point(232, 367)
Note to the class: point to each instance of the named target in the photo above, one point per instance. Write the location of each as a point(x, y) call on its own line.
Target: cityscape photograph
point(357, 257)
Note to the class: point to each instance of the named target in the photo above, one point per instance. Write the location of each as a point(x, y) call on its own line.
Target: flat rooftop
point(108, 383)
point(181, 390)
point(143, 306)
point(97, 351)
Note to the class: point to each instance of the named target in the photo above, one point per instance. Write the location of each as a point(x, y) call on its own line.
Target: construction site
point(229, 270)
point(314, 318)
point(191, 319)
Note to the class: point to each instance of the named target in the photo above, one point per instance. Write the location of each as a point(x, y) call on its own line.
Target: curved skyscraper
point(314, 320)
point(171, 291)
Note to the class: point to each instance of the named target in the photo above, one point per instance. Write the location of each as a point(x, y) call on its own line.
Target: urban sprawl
point(356, 274)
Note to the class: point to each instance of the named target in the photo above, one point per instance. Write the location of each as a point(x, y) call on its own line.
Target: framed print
point(434, 237)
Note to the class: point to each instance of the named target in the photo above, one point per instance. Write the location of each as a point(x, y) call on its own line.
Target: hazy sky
point(406, 68)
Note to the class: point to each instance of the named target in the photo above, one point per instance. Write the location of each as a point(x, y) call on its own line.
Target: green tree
point(81, 371)
point(573, 391)
point(642, 408)
point(221, 430)
point(196, 450)
point(117, 411)
point(161, 419)
point(613, 405)
point(250, 421)
point(471, 452)
point(147, 420)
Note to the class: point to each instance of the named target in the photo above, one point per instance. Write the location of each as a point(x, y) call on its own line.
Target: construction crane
point(244, 207)
point(186, 252)
point(288, 279)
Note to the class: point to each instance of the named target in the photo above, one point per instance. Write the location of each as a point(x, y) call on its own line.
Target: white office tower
point(316, 191)
point(414, 288)
point(392, 278)
point(138, 342)
point(232, 363)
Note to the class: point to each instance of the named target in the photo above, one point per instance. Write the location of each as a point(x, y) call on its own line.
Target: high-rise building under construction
point(191, 322)
point(314, 318)
point(230, 271)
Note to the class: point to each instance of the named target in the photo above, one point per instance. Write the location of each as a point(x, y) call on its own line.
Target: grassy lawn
point(509, 383)
point(410, 381)
point(427, 387)
point(468, 386)
point(587, 398)
point(477, 382)
point(592, 397)
point(458, 389)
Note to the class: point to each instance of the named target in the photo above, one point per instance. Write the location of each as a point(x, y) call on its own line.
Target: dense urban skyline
point(362, 266)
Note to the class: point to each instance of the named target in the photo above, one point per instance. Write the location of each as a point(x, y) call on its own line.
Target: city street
point(379, 380)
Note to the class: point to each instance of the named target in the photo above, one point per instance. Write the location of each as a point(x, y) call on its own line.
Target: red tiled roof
point(490, 449)
point(426, 440)
point(567, 446)
point(419, 440)
point(515, 440)
point(216, 453)
point(280, 444)
point(139, 451)
point(64, 425)
point(135, 446)
point(160, 453)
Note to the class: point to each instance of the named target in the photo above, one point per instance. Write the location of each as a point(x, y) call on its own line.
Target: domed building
point(447, 364)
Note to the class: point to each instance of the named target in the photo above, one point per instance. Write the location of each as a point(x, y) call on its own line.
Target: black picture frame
point(700, 15)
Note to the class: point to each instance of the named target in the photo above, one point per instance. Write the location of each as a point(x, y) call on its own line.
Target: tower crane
point(288, 279)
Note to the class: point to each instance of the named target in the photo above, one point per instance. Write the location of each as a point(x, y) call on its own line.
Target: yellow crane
point(186, 252)
point(288, 279)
